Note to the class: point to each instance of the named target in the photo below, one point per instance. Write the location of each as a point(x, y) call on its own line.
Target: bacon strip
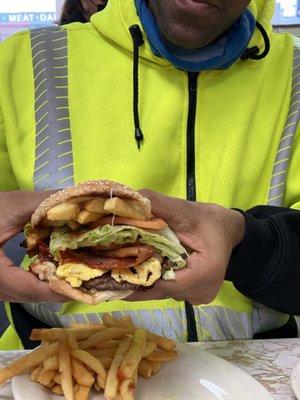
point(139, 251)
point(42, 251)
point(123, 258)
point(154, 223)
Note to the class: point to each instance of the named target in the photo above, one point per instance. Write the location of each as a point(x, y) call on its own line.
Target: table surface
point(268, 361)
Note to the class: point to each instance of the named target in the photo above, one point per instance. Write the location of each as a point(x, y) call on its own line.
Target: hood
point(114, 22)
point(263, 11)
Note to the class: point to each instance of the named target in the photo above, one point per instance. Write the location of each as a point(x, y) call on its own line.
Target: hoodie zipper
point(191, 181)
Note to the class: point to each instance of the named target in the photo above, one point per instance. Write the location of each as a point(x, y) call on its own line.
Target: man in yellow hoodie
point(195, 99)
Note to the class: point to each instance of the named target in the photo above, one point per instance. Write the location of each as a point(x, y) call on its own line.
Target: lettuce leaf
point(62, 239)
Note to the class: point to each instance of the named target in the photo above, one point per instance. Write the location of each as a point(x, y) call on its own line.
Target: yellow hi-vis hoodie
point(66, 116)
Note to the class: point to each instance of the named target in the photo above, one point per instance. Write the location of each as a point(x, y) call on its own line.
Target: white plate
point(194, 375)
point(295, 380)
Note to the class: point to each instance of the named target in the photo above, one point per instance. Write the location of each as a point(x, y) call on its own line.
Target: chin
point(188, 39)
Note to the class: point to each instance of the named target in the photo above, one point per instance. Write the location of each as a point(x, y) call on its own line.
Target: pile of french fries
point(81, 211)
point(84, 210)
point(107, 357)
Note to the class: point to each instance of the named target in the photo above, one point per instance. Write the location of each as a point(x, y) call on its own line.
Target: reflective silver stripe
point(45, 312)
point(265, 319)
point(4, 322)
point(167, 322)
point(213, 322)
point(53, 153)
point(278, 181)
point(221, 323)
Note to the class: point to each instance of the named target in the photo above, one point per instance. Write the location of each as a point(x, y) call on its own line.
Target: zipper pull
point(193, 81)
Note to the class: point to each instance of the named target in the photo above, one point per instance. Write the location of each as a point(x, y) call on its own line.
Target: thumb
point(26, 202)
point(16, 209)
point(24, 286)
point(165, 207)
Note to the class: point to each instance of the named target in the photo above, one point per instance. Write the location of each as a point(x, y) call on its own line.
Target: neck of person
point(221, 53)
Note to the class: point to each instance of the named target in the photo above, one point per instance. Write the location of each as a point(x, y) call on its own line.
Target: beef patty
point(106, 282)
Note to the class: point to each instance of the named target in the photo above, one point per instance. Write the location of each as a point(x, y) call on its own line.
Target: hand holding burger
point(99, 241)
point(210, 233)
point(17, 285)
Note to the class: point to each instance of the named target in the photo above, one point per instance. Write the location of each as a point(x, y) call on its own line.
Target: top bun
point(101, 188)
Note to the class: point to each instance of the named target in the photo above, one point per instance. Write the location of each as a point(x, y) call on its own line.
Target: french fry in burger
point(99, 241)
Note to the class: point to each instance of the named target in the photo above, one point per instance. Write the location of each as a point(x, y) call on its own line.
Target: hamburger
point(99, 241)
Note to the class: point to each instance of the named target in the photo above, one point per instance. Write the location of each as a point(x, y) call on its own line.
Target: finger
point(29, 289)
point(161, 290)
point(18, 208)
point(165, 207)
point(5, 297)
point(30, 201)
point(23, 286)
point(179, 298)
point(178, 288)
point(146, 296)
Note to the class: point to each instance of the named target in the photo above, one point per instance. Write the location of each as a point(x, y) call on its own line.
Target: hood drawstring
point(137, 38)
point(253, 52)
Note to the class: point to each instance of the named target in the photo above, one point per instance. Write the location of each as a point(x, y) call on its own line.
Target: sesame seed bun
point(101, 188)
point(63, 287)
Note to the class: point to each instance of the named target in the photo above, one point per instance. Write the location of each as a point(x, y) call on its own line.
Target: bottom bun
point(63, 287)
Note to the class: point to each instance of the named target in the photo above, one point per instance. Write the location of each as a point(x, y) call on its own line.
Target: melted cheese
point(146, 273)
point(75, 274)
